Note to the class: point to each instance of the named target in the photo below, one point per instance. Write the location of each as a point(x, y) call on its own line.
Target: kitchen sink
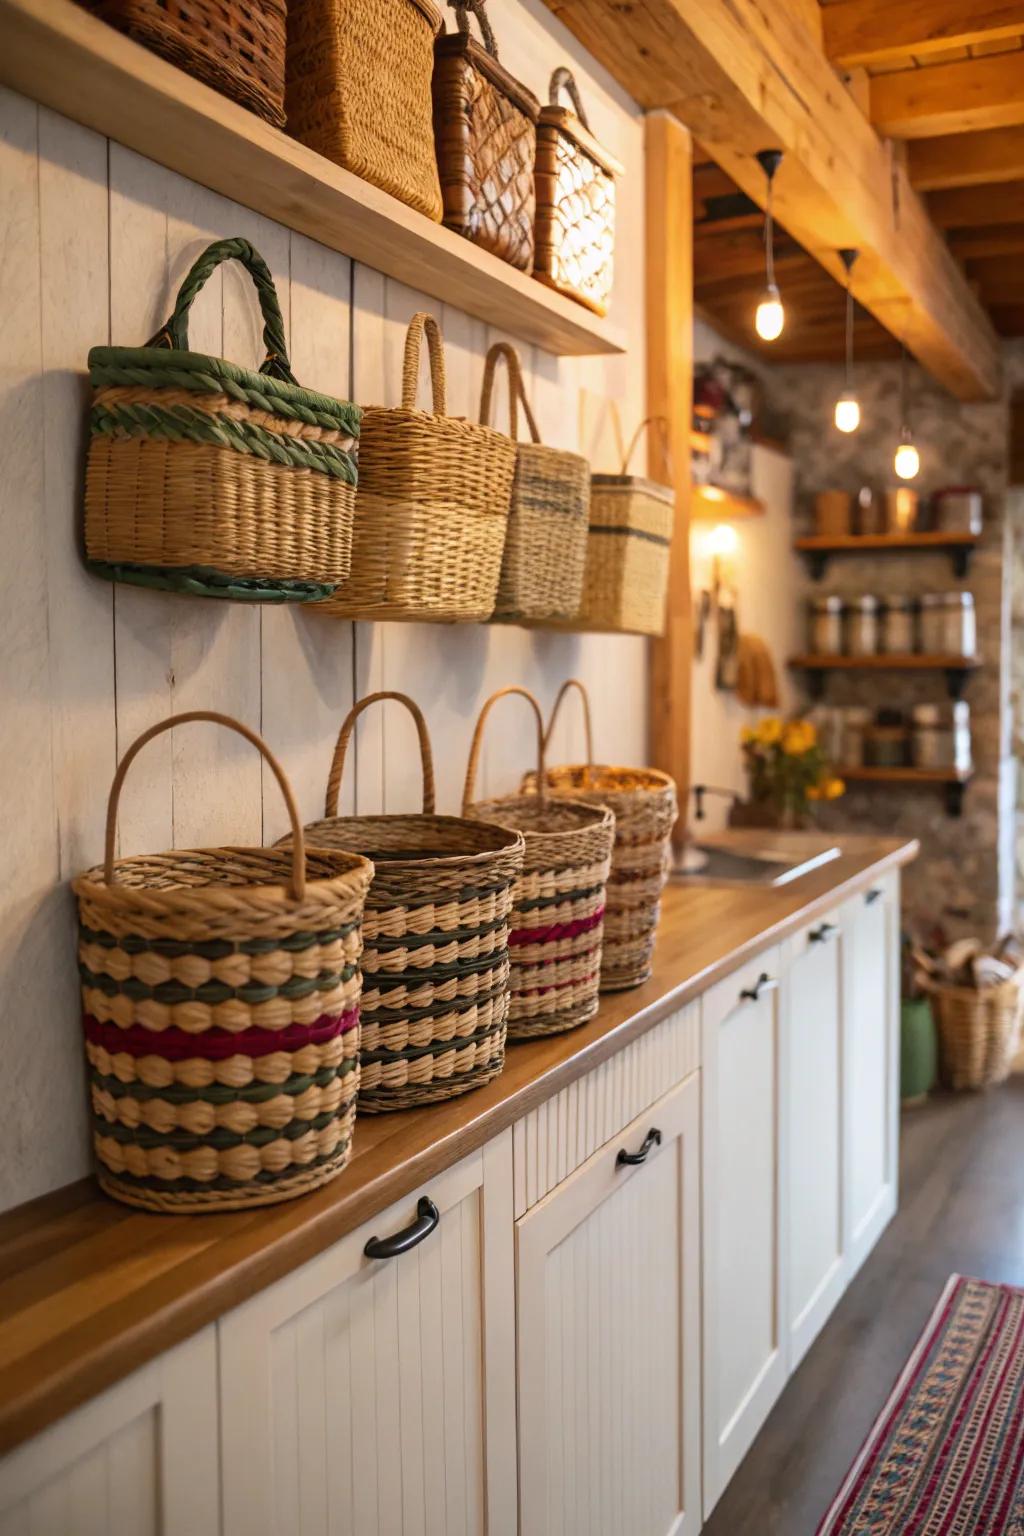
point(767, 859)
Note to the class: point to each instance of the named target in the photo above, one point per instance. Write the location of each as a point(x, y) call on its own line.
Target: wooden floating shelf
point(818, 549)
point(956, 668)
point(710, 503)
point(57, 53)
point(953, 780)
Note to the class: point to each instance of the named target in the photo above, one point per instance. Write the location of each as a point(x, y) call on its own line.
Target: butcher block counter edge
point(90, 1290)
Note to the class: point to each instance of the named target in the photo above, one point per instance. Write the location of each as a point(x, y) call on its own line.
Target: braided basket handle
point(419, 324)
point(661, 425)
point(462, 9)
point(345, 735)
point(516, 390)
point(298, 877)
point(562, 80)
point(588, 725)
point(175, 333)
point(478, 733)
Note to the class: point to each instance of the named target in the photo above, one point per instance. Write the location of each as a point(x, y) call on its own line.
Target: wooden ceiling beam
point(877, 31)
point(999, 240)
point(747, 75)
point(963, 97)
point(968, 159)
point(978, 207)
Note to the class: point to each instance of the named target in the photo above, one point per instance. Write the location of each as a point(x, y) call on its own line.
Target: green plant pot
point(919, 1051)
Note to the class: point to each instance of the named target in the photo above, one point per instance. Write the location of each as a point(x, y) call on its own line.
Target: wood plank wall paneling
point(94, 240)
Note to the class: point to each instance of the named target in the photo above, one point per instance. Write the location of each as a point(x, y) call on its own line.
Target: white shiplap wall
point(94, 241)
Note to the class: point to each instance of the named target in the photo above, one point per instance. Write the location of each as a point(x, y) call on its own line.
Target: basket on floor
point(546, 544)
point(359, 74)
point(643, 801)
point(979, 1031)
point(208, 478)
point(559, 902)
point(432, 505)
point(486, 137)
point(435, 965)
point(575, 202)
point(220, 992)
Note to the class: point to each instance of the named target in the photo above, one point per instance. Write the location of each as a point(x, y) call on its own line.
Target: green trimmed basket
point(207, 478)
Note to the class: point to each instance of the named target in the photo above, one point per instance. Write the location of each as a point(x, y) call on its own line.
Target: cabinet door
point(609, 1369)
point(871, 1018)
point(812, 1131)
point(139, 1460)
point(744, 1333)
point(368, 1397)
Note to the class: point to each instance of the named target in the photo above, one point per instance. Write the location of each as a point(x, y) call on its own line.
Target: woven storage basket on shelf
point(486, 137)
point(236, 48)
point(979, 1031)
point(435, 965)
point(575, 202)
point(432, 505)
point(643, 801)
point(220, 991)
point(559, 902)
point(546, 545)
point(207, 478)
point(359, 75)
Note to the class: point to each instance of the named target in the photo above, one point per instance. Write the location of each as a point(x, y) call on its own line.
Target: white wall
point(93, 243)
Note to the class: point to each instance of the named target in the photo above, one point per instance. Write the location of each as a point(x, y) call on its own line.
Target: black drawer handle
point(875, 894)
point(764, 983)
point(632, 1159)
point(823, 932)
point(427, 1218)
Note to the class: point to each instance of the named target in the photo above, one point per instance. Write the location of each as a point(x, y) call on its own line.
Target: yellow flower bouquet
point(786, 767)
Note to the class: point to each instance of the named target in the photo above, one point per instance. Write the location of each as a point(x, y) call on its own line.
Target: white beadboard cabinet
point(609, 1344)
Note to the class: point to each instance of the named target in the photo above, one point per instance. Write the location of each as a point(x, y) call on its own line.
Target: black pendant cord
point(848, 256)
point(904, 395)
point(769, 160)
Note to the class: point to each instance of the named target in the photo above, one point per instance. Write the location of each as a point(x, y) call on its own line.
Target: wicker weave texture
point(575, 233)
point(237, 48)
point(220, 992)
point(979, 1032)
point(625, 584)
point(359, 75)
point(431, 508)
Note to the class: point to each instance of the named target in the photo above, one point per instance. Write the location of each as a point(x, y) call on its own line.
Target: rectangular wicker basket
point(979, 1031)
point(358, 91)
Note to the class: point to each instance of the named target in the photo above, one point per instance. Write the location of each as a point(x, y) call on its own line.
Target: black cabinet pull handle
point(764, 983)
point(427, 1218)
point(875, 894)
point(632, 1159)
point(822, 932)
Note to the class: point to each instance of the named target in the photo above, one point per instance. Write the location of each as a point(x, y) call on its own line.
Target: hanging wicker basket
point(432, 506)
point(979, 1031)
point(436, 964)
point(559, 902)
point(220, 992)
point(207, 478)
point(546, 545)
point(643, 801)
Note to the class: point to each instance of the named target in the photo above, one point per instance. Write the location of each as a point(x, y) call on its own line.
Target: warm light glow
point(771, 316)
point(723, 540)
point(907, 461)
point(847, 413)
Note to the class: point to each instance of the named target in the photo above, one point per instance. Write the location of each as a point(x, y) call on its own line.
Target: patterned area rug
point(946, 1454)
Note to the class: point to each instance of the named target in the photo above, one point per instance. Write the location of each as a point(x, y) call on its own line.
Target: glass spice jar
point(898, 629)
point(862, 625)
point(932, 624)
point(826, 628)
point(959, 624)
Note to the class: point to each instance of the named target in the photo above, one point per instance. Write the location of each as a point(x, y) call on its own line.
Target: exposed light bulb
point(770, 316)
point(847, 412)
point(723, 540)
point(907, 461)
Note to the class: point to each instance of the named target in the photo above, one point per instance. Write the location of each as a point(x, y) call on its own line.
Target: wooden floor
point(961, 1211)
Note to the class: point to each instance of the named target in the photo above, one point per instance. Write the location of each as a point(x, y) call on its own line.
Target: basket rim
point(355, 868)
point(659, 779)
point(593, 818)
point(508, 842)
point(631, 483)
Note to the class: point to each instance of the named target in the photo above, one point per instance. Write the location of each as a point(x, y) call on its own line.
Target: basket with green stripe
point(209, 478)
point(220, 992)
point(436, 963)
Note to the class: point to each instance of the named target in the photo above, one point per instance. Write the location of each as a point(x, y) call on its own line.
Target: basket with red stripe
point(220, 990)
point(559, 900)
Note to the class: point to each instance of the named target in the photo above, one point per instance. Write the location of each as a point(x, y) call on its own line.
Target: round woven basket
point(979, 1032)
point(559, 903)
point(643, 801)
point(436, 963)
point(220, 992)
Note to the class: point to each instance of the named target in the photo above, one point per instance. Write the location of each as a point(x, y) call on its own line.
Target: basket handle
point(174, 334)
point(462, 9)
point(562, 80)
point(661, 425)
point(419, 324)
point(516, 390)
point(298, 877)
point(588, 726)
point(345, 735)
point(474, 746)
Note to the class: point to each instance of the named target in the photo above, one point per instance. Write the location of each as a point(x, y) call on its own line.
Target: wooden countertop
point(90, 1290)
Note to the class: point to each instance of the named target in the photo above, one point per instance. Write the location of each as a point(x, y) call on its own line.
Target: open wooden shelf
point(953, 780)
point(60, 55)
point(956, 668)
point(818, 549)
point(710, 503)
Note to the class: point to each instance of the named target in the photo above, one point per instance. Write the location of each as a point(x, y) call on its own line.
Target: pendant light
point(770, 316)
point(907, 461)
point(847, 411)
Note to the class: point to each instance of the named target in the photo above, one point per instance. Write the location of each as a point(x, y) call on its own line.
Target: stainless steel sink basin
point(745, 859)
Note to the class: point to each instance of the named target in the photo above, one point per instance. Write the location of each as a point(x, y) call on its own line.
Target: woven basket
point(575, 233)
point(359, 75)
point(236, 48)
point(486, 136)
point(435, 966)
point(643, 801)
point(220, 991)
point(979, 1032)
point(559, 902)
point(207, 478)
point(546, 545)
point(432, 506)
